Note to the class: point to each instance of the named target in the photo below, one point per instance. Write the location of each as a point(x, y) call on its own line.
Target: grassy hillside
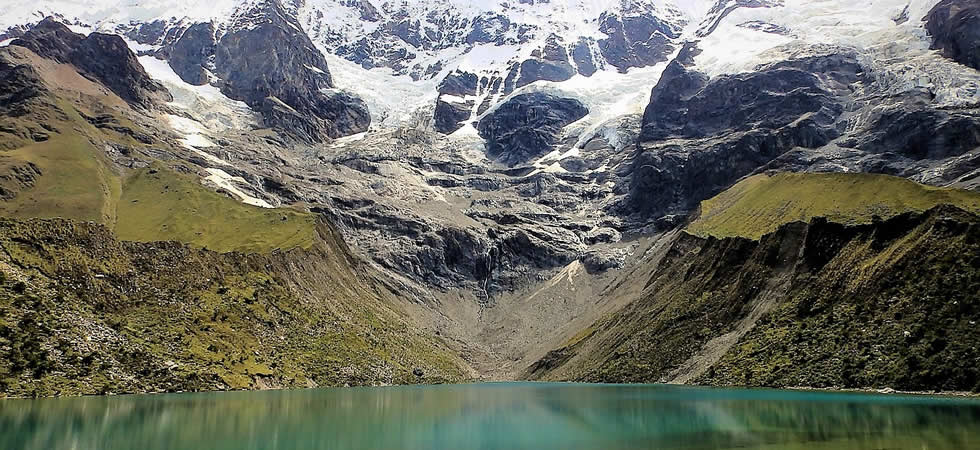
point(845, 301)
point(78, 182)
point(889, 309)
point(74, 183)
point(160, 204)
point(762, 203)
point(83, 313)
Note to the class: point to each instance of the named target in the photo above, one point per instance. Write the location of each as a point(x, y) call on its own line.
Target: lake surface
point(495, 416)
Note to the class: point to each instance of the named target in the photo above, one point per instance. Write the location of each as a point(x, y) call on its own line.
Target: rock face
point(449, 115)
point(919, 132)
point(636, 40)
point(190, 55)
point(452, 108)
point(103, 57)
point(699, 137)
point(955, 29)
point(460, 84)
point(289, 83)
point(527, 126)
point(585, 60)
point(19, 84)
point(549, 64)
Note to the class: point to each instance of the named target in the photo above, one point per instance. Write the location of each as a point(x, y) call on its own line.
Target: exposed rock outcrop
point(527, 125)
point(636, 39)
point(19, 84)
point(290, 83)
point(699, 137)
point(449, 115)
point(550, 64)
point(955, 29)
point(191, 54)
point(459, 83)
point(103, 57)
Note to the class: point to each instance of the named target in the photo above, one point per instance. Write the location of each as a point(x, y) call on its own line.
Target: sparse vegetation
point(92, 315)
point(849, 301)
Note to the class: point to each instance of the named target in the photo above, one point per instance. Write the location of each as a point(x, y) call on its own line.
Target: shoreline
point(879, 391)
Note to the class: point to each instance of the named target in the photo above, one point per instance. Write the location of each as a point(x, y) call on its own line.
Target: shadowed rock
point(955, 29)
point(104, 57)
point(190, 54)
point(550, 64)
point(636, 40)
point(273, 58)
point(449, 116)
point(527, 126)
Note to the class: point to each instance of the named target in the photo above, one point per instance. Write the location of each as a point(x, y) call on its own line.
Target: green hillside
point(780, 300)
point(152, 204)
point(160, 204)
point(762, 203)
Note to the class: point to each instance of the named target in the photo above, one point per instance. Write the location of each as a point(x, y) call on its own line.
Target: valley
point(265, 194)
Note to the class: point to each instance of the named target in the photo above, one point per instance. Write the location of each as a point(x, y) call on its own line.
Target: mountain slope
point(760, 204)
point(817, 303)
point(83, 313)
point(92, 300)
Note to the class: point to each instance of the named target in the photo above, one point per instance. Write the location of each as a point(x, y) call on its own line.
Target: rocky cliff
point(954, 26)
point(103, 57)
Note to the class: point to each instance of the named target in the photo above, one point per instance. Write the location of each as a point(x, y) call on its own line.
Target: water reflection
point(491, 416)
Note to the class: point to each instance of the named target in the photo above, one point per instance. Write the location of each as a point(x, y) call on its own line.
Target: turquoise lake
point(495, 416)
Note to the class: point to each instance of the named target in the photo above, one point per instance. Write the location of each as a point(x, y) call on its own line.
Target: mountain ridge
point(524, 180)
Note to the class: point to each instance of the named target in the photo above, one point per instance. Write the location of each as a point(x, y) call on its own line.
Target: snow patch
point(452, 98)
point(393, 100)
point(313, 68)
point(225, 181)
point(211, 109)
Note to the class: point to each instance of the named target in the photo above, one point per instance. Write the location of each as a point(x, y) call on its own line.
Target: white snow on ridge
point(393, 100)
point(227, 182)
point(484, 57)
point(105, 14)
point(206, 104)
point(898, 53)
point(732, 48)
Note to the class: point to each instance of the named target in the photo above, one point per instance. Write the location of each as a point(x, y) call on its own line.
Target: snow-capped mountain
point(489, 48)
point(485, 152)
point(580, 119)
